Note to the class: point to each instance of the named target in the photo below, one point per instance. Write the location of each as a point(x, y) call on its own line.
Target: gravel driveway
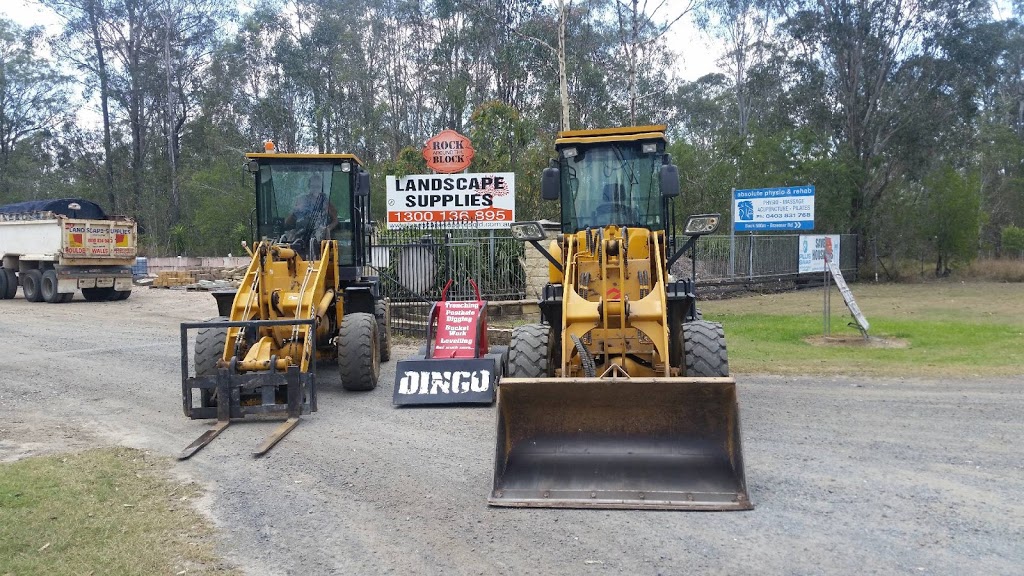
point(848, 476)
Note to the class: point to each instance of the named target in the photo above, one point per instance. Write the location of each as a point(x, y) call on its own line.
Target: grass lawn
point(934, 329)
point(104, 511)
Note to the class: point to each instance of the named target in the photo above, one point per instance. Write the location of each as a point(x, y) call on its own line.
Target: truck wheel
point(67, 297)
point(528, 351)
point(97, 294)
point(704, 350)
point(120, 295)
point(358, 352)
point(382, 312)
point(8, 284)
point(49, 288)
point(31, 285)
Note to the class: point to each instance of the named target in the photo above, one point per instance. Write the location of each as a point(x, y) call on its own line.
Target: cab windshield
point(611, 184)
point(304, 203)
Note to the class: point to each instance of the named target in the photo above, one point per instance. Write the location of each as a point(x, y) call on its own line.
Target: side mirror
point(669, 176)
point(363, 183)
point(550, 184)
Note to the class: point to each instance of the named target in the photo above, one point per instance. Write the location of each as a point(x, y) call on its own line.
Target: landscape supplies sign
point(461, 381)
point(442, 200)
point(789, 208)
point(448, 152)
point(811, 252)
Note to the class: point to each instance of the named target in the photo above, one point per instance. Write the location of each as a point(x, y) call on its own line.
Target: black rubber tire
point(120, 295)
point(32, 285)
point(209, 348)
point(67, 297)
point(97, 294)
point(382, 312)
point(8, 284)
point(358, 352)
point(704, 351)
point(48, 286)
point(528, 351)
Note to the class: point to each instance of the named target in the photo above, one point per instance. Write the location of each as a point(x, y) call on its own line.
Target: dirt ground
point(847, 475)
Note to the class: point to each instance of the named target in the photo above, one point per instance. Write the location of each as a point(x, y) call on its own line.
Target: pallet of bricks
point(174, 279)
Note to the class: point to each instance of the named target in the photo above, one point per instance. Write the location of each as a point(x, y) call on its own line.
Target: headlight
point(527, 231)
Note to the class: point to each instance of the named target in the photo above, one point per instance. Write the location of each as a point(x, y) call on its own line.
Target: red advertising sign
point(448, 152)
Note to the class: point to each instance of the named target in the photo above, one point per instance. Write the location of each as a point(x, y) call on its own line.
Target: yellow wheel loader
point(305, 299)
point(621, 397)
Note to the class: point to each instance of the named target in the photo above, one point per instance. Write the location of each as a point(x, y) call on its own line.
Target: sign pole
point(732, 238)
point(827, 319)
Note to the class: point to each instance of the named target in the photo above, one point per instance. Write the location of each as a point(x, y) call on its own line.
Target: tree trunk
point(563, 82)
point(171, 125)
point(101, 70)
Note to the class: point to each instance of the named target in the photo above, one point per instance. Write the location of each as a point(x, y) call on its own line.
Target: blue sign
point(787, 208)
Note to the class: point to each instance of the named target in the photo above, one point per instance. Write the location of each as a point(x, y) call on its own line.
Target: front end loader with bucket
point(621, 397)
point(304, 300)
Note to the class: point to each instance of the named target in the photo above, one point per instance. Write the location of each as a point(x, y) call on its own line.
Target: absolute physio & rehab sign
point(787, 208)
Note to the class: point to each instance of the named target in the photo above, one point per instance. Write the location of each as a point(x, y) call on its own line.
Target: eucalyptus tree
point(33, 95)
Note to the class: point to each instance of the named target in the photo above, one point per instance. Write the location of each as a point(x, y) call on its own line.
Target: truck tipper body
point(54, 248)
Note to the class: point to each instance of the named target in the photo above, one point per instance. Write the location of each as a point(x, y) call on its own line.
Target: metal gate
point(414, 266)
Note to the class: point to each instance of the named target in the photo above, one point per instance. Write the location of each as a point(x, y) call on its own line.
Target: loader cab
point(619, 176)
point(302, 199)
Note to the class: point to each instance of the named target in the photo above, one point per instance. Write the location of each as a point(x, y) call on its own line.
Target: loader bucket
point(658, 443)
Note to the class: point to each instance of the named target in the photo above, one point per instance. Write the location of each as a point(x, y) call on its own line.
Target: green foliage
point(949, 215)
point(1013, 240)
point(824, 93)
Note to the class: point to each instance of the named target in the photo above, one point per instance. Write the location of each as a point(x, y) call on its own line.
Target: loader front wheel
point(208, 351)
point(32, 285)
point(209, 348)
point(528, 351)
point(704, 349)
point(358, 352)
point(382, 312)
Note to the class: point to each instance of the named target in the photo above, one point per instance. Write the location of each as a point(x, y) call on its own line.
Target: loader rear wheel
point(49, 287)
point(528, 351)
point(8, 284)
point(382, 312)
point(31, 285)
point(358, 352)
point(97, 294)
point(704, 349)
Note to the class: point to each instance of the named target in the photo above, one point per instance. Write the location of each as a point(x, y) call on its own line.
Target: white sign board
point(811, 252)
point(475, 200)
point(786, 208)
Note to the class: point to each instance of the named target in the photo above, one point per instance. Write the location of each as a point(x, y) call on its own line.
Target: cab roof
point(624, 134)
point(278, 155)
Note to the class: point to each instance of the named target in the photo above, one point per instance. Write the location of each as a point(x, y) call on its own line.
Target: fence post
point(750, 256)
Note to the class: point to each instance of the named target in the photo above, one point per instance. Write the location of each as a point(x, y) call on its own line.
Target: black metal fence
point(415, 265)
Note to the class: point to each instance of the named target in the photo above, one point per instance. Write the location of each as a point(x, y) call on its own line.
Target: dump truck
point(54, 248)
point(621, 397)
point(306, 299)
